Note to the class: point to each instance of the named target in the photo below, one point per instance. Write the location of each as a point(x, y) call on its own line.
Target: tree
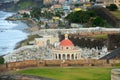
point(59, 14)
point(36, 13)
point(78, 17)
point(98, 21)
point(24, 4)
point(112, 7)
point(47, 14)
point(25, 15)
point(91, 13)
point(77, 5)
point(1, 60)
point(86, 17)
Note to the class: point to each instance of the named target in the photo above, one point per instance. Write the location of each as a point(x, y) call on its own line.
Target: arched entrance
point(63, 56)
point(72, 57)
point(59, 57)
point(48, 42)
point(68, 56)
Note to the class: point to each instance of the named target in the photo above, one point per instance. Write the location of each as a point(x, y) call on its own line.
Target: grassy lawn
point(116, 13)
point(101, 36)
point(70, 73)
point(25, 4)
point(30, 38)
point(26, 41)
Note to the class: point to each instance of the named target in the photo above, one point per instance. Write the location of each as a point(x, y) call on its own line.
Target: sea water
point(11, 32)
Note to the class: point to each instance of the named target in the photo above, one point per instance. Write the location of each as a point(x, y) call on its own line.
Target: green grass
point(116, 13)
point(25, 4)
point(117, 65)
point(26, 41)
point(101, 36)
point(70, 73)
point(30, 38)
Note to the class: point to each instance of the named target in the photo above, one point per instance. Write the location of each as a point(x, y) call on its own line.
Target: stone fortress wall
point(57, 63)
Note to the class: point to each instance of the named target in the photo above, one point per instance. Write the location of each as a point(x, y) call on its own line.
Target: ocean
point(11, 32)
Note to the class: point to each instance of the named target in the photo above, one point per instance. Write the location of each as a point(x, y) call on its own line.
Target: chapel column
point(79, 55)
point(74, 56)
point(53, 56)
point(57, 56)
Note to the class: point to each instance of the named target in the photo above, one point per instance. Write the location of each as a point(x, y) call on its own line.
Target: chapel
point(66, 50)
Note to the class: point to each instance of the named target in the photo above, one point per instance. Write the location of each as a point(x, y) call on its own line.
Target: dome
point(66, 42)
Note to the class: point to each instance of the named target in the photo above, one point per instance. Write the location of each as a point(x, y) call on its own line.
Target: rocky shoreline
point(19, 44)
point(32, 26)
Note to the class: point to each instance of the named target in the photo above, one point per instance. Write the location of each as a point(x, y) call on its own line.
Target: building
point(47, 2)
point(117, 2)
point(24, 11)
point(56, 7)
point(66, 51)
point(107, 2)
point(46, 40)
point(77, 9)
point(61, 1)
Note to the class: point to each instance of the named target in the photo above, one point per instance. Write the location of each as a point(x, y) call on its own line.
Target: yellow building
point(77, 9)
point(56, 18)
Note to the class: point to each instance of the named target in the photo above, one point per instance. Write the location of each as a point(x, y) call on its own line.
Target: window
point(67, 47)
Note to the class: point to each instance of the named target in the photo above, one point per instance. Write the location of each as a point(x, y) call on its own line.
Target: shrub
point(1, 60)
point(112, 7)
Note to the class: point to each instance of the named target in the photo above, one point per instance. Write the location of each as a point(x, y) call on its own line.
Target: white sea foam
point(4, 15)
point(10, 33)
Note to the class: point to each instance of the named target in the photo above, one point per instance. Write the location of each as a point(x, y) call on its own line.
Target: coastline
point(19, 44)
point(32, 26)
point(12, 32)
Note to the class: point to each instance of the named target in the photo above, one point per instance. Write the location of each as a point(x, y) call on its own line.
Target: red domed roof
point(66, 42)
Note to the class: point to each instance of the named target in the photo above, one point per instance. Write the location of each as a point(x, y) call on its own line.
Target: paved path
point(21, 77)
